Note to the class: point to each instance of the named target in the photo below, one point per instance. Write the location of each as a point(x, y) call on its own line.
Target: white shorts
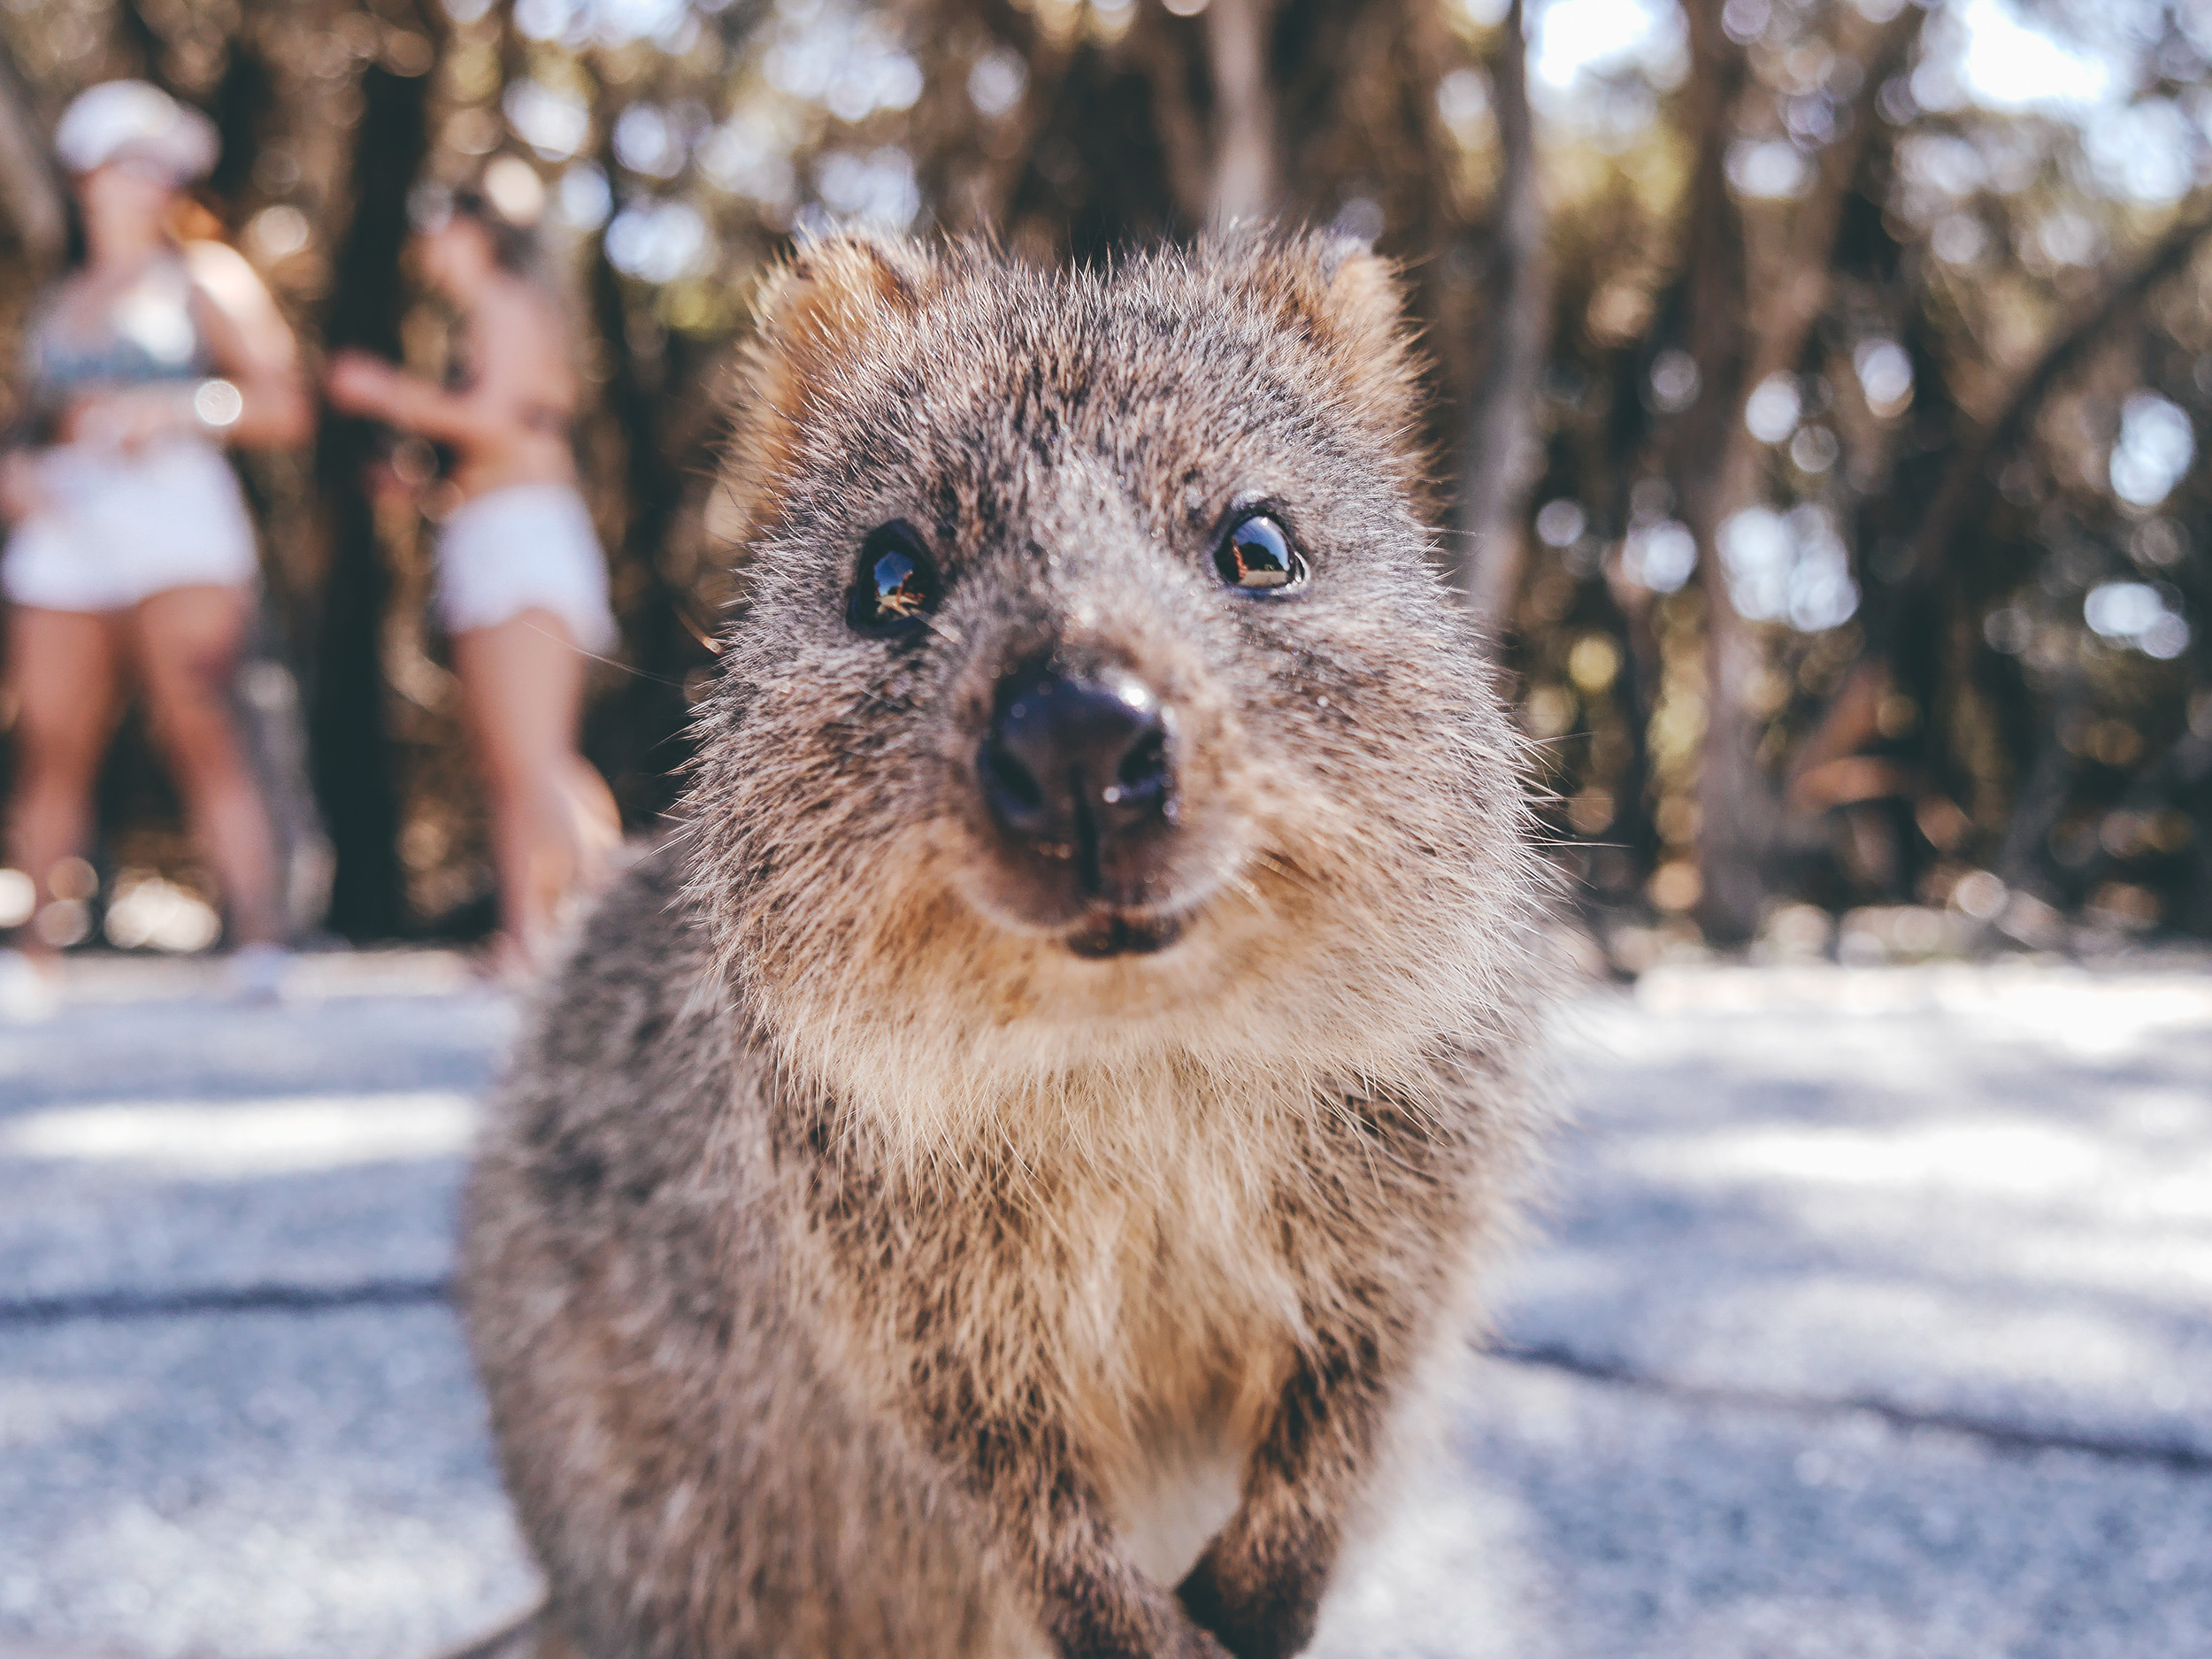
point(118, 528)
point(528, 546)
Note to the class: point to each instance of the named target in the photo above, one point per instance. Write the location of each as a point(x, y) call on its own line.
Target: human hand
point(131, 418)
point(394, 484)
point(22, 494)
point(360, 384)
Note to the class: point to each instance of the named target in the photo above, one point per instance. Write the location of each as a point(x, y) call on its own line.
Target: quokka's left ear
point(819, 313)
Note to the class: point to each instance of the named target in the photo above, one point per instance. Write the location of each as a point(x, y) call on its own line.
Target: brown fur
point(856, 1269)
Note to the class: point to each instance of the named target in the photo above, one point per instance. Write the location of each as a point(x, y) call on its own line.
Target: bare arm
point(252, 347)
point(249, 346)
point(521, 374)
point(21, 496)
point(360, 384)
point(21, 437)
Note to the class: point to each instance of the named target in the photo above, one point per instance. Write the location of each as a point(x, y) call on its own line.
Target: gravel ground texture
point(1870, 1316)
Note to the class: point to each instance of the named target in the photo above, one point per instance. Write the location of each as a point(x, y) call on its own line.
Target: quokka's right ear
point(1351, 298)
point(818, 313)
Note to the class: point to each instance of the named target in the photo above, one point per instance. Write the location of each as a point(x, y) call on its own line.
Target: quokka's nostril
point(1143, 773)
point(1012, 780)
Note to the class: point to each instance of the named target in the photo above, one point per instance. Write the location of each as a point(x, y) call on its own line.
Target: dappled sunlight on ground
point(1969, 1190)
point(1871, 1316)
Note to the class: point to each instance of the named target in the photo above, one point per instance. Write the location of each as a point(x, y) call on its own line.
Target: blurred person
point(522, 580)
point(132, 561)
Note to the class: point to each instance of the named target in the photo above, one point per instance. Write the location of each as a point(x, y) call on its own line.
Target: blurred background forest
point(1823, 386)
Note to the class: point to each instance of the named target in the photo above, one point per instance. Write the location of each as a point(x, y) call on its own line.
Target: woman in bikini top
point(522, 581)
point(131, 560)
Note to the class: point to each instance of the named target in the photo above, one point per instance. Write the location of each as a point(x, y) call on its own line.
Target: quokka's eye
point(1257, 556)
point(896, 584)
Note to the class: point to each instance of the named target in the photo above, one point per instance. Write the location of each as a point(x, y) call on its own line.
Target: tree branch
point(1798, 294)
point(1967, 480)
point(1960, 495)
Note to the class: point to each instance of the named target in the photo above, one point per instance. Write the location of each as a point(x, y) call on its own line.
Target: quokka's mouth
point(1107, 934)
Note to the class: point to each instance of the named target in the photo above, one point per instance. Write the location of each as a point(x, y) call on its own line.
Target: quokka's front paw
point(1257, 1614)
point(1165, 1630)
point(1192, 1642)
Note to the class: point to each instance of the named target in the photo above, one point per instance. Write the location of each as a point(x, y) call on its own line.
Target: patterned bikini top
point(144, 335)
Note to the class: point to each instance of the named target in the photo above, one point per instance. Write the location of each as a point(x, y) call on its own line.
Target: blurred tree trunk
point(2041, 800)
point(1502, 456)
point(2182, 777)
point(244, 99)
point(1252, 108)
point(135, 32)
point(1935, 585)
point(1740, 325)
point(30, 186)
point(347, 722)
point(1697, 448)
point(636, 735)
point(1243, 186)
point(264, 693)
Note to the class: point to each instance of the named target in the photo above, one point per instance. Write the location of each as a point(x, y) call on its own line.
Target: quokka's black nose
point(1079, 762)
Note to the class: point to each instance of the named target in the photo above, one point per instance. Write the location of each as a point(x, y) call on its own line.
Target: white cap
point(103, 122)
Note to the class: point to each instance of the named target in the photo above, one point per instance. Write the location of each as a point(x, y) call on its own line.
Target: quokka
point(995, 1182)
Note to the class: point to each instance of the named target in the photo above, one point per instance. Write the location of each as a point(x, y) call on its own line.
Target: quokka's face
point(1093, 666)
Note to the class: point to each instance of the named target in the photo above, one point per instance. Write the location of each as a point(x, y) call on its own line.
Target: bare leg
point(63, 668)
point(553, 821)
point(187, 642)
